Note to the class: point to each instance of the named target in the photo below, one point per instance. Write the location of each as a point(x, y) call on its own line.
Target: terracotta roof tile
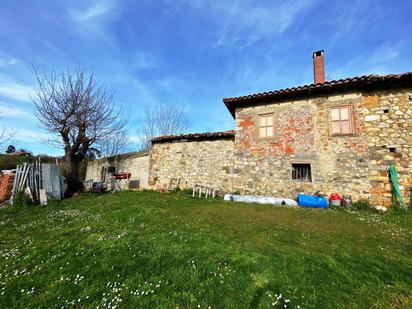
point(195, 136)
point(366, 82)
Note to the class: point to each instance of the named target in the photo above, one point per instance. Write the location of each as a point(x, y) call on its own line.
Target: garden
point(169, 250)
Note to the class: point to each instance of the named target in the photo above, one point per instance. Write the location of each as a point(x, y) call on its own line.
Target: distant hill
point(9, 162)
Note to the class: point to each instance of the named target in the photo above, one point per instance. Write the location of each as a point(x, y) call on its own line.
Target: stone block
point(370, 118)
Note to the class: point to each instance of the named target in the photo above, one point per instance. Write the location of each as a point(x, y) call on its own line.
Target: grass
point(151, 250)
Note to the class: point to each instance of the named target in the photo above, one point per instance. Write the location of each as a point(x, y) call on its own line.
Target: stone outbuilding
point(205, 158)
point(135, 163)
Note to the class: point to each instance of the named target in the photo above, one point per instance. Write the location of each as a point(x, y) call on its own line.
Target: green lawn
point(150, 250)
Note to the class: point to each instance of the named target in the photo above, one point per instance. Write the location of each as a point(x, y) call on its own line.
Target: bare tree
point(78, 113)
point(117, 143)
point(6, 134)
point(162, 119)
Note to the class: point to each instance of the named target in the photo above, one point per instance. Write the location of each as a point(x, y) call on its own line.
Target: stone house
point(330, 136)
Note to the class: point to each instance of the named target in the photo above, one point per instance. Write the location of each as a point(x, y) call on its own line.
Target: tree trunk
point(73, 182)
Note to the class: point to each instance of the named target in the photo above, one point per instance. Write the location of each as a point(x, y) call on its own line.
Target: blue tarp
point(312, 201)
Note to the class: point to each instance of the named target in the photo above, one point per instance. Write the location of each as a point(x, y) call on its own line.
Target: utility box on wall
point(134, 184)
point(111, 169)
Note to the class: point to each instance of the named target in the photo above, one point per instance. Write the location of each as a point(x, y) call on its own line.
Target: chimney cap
point(318, 53)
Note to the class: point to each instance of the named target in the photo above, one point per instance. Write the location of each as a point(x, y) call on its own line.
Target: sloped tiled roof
point(194, 137)
point(366, 82)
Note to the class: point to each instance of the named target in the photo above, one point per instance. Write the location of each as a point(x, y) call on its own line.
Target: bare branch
point(115, 144)
point(76, 111)
point(162, 119)
point(6, 134)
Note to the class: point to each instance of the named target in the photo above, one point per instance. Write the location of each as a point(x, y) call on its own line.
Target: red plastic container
point(335, 199)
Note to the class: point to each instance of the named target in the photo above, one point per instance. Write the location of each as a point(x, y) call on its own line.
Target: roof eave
point(232, 110)
point(364, 83)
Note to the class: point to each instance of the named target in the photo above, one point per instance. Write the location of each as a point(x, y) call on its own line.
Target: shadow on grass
point(260, 292)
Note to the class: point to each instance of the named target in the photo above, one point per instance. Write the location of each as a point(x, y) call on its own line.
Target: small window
point(341, 119)
point(301, 172)
point(265, 126)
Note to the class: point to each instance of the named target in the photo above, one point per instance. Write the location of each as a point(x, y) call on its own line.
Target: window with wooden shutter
point(341, 120)
point(266, 126)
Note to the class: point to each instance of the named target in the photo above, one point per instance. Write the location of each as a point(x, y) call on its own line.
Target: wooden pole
point(14, 184)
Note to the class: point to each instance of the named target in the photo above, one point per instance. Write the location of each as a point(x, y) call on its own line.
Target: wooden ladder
point(173, 182)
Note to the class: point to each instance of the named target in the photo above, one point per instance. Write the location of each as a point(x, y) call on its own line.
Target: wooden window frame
point(350, 118)
point(260, 126)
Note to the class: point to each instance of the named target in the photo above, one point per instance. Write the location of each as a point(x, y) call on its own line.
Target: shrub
point(187, 191)
point(399, 208)
point(8, 162)
point(21, 199)
point(362, 204)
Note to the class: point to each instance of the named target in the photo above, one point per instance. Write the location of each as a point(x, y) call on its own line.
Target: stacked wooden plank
point(39, 181)
point(28, 178)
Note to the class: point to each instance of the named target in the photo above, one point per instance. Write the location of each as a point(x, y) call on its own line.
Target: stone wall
point(353, 164)
point(135, 163)
point(208, 162)
point(388, 122)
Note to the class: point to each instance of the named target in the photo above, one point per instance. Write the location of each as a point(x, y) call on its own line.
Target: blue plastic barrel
point(312, 201)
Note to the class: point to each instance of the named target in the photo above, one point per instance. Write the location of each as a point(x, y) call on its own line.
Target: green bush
point(362, 204)
point(187, 191)
point(398, 208)
point(9, 162)
point(21, 199)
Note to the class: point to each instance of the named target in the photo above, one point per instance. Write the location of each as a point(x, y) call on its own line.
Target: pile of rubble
point(6, 185)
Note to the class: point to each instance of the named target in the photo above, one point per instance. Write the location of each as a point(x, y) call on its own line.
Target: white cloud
point(12, 89)
point(247, 22)
point(16, 91)
point(136, 138)
point(385, 53)
point(7, 61)
point(244, 22)
point(374, 60)
point(145, 60)
point(26, 135)
point(9, 112)
point(98, 9)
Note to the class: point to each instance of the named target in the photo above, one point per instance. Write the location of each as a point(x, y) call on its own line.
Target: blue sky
point(192, 52)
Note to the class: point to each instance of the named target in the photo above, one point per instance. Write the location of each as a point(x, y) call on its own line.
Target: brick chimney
point(318, 67)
